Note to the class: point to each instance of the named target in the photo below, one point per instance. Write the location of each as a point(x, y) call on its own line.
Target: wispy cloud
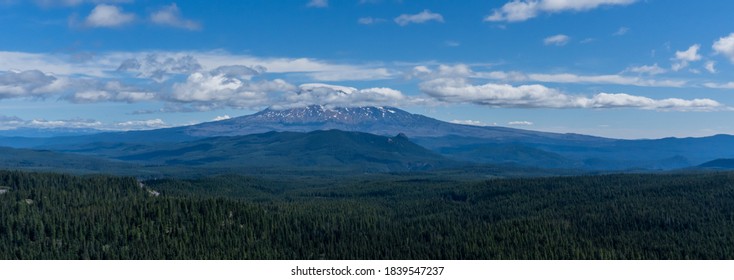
point(520, 123)
point(453, 44)
point(647, 69)
point(710, 66)
point(621, 31)
point(729, 85)
point(459, 90)
point(522, 10)
point(464, 71)
point(69, 3)
point(422, 17)
point(171, 16)
point(318, 3)
point(13, 122)
point(370, 20)
point(470, 122)
point(141, 124)
point(556, 40)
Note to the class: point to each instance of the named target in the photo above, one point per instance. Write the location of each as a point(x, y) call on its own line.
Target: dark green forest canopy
point(631, 216)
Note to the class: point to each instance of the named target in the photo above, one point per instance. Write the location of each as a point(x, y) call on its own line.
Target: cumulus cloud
point(318, 3)
point(160, 67)
point(422, 17)
point(341, 96)
point(556, 40)
point(228, 86)
point(30, 83)
point(647, 69)
point(725, 46)
point(683, 58)
point(522, 10)
point(459, 90)
point(171, 16)
point(104, 15)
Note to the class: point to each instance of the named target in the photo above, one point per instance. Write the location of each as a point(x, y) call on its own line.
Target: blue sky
point(615, 68)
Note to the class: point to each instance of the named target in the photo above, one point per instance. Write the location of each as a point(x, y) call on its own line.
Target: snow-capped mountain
point(376, 120)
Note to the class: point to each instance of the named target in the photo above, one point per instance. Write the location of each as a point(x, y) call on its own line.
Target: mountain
point(374, 120)
point(722, 163)
point(483, 144)
point(45, 160)
point(316, 150)
point(477, 144)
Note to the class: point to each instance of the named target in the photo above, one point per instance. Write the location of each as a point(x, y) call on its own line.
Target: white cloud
point(353, 75)
point(221, 118)
point(557, 40)
point(73, 123)
point(725, 46)
point(29, 83)
point(370, 20)
point(459, 90)
point(422, 17)
point(587, 41)
point(15, 122)
point(464, 71)
point(469, 122)
point(160, 67)
point(341, 96)
point(683, 58)
point(647, 69)
point(91, 92)
point(729, 85)
point(520, 123)
point(318, 3)
point(452, 43)
point(56, 64)
point(521, 10)
point(108, 16)
point(621, 31)
point(710, 66)
point(604, 79)
point(230, 86)
point(171, 16)
point(141, 124)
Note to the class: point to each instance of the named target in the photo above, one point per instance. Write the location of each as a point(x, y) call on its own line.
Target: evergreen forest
point(386, 216)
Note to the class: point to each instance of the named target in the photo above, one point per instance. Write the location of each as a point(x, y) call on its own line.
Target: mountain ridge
point(474, 144)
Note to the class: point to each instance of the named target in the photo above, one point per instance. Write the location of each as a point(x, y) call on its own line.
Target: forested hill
point(51, 216)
